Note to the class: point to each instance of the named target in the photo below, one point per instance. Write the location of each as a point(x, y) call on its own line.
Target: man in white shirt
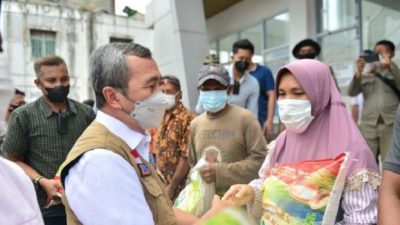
point(18, 199)
point(107, 177)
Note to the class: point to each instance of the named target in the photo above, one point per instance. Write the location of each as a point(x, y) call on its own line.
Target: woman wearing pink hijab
point(318, 126)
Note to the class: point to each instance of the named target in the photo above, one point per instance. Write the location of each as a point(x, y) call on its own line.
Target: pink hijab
point(332, 130)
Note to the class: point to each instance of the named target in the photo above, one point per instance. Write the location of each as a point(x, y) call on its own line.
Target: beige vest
point(97, 136)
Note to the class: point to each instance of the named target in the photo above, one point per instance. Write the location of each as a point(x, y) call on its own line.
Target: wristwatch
point(37, 179)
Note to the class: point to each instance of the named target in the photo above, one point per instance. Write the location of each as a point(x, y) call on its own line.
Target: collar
point(242, 79)
point(220, 113)
point(134, 139)
point(177, 108)
point(256, 68)
point(46, 110)
point(174, 112)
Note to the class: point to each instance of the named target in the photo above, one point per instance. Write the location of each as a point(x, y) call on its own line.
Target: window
point(381, 21)
point(120, 40)
point(336, 14)
point(225, 48)
point(276, 52)
point(42, 43)
point(255, 35)
point(213, 48)
point(338, 36)
point(277, 31)
point(270, 39)
point(340, 50)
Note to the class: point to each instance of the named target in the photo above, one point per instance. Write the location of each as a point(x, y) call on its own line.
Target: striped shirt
point(3, 131)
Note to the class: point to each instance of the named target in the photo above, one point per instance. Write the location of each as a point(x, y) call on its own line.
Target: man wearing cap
point(306, 49)
point(172, 137)
point(231, 129)
point(246, 89)
point(310, 49)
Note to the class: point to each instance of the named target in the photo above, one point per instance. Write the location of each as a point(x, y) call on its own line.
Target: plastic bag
point(307, 192)
point(196, 198)
point(230, 216)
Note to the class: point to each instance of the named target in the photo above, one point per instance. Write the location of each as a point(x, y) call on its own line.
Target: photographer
point(378, 79)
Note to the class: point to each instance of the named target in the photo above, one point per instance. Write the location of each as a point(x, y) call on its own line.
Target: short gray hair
point(108, 67)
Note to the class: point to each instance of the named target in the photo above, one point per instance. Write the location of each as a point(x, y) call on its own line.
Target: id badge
point(144, 170)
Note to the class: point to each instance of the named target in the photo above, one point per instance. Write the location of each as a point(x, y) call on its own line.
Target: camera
point(370, 56)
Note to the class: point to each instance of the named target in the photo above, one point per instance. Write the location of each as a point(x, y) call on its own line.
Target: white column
point(180, 41)
point(302, 21)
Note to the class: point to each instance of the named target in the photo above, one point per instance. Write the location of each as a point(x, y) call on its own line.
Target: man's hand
point(208, 173)
point(240, 194)
point(386, 57)
point(268, 128)
point(52, 187)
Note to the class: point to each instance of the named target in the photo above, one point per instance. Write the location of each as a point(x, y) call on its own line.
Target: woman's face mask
point(295, 114)
point(213, 101)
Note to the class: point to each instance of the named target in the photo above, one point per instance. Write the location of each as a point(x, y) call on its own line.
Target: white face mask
point(295, 114)
point(149, 112)
point(171, 101)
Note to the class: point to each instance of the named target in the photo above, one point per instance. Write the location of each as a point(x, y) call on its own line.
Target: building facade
point(343, 28)
point(181, 33)
point(32, 30)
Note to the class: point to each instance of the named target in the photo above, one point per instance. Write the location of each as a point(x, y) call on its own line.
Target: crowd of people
point(126, 156)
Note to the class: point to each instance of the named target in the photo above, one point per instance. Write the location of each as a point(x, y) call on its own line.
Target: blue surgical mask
point(213, 101)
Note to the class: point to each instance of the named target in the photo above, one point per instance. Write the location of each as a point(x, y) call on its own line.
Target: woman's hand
point(240, 194)
point(217, 205)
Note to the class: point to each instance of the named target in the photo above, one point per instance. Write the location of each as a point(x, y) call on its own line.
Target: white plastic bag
point(196, 198)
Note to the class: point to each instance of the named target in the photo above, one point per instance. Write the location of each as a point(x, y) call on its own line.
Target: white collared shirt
point(106, 189)
point(18, 202)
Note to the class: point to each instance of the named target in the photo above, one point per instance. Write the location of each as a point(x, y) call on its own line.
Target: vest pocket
point(152, 186)
point(158, 202)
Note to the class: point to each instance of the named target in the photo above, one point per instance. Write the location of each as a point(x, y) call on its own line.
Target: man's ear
point(229, 89)
point(179, 95)
point(112, 97)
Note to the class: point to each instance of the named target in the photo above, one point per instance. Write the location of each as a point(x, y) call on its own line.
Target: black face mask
point(307, 56)
point(241, 66)
point(58, 94)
